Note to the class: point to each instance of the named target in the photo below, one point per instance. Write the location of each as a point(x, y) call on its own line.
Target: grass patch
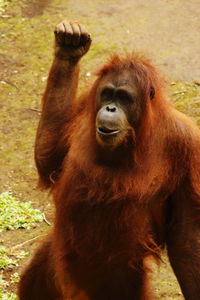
point(15, 214)
point(5, 260)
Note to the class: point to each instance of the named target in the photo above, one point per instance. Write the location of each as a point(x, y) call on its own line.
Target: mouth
point(107, 132)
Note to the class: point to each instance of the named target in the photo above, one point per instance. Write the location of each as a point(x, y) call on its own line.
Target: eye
point(107, 93)
point(124, 96)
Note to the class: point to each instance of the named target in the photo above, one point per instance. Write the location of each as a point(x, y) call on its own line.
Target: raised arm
point(71, 42)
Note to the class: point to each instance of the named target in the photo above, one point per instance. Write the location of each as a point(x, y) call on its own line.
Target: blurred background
point(166, 30)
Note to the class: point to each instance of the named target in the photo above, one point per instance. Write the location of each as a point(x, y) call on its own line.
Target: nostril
point(111, 108)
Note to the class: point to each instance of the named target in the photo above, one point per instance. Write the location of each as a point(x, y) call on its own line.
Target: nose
point(109, 116)
point(111, 108)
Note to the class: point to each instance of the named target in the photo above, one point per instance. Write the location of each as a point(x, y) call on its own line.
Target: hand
point(72, 40)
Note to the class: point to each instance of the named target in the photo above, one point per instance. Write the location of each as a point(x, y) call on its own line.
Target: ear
point(152, 93)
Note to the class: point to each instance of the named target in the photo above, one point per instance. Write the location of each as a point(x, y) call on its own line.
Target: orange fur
point(111, 216)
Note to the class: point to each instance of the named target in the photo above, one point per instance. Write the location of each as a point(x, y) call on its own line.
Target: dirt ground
point(168, 31)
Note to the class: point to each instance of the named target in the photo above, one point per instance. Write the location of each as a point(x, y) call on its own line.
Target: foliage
point(9, 260)
point(15, 214)
point(15, 278)
point(7, 296)
point(5, 260)
point(4, 295)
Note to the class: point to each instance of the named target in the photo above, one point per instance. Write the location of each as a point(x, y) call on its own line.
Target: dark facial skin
point(118, 108)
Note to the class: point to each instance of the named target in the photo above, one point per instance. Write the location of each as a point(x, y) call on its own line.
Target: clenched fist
point(72, 40)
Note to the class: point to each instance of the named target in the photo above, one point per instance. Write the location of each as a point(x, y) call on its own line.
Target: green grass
point(15, 214)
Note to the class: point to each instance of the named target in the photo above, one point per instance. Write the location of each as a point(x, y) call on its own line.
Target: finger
point(85, 39)
point(68, 33)
point(84, 35)
point(76, 34)
point(60, 28)
point(59, 32)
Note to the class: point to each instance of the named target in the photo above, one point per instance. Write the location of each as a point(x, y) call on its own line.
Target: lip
point(107, 132)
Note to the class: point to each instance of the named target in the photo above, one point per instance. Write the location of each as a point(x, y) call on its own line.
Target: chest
point(107, 230)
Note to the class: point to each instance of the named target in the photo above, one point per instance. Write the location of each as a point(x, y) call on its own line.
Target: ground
point(166, 30)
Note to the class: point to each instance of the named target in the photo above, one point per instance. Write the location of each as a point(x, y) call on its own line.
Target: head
point(126, 87)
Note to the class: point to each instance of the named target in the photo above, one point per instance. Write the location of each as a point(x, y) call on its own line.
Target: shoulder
point(182, 139)
point(183, 127)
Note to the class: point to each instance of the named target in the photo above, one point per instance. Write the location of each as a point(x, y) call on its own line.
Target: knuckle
point(59, 29)
point(88, 36)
